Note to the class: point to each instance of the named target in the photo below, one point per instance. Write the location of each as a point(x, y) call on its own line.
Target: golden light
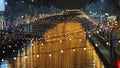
point(61, 51)
point(73, 50)
point(85, 49)
point(63, 56)
point(25, 57)
point(60, 41)
point(37, 56)
point(42, 44)
point(50, 55)
point(80, 40)
point(70, 39)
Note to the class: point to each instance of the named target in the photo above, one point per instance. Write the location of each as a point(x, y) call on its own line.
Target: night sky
point(62, 4)
point(57, 3)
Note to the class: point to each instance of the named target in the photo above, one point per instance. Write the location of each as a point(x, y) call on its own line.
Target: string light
point(73, 50)
point(32, 44)
point(16, 45)
point(96, 45)
point(37, 56)
point(119, 41)
point(80, 40)
point(25, 57)
point(85, 49)
point(42, 44)
point(89, 36)
point(55, 35)
point(3, 51)
point(60, 41)
point(50, 55)
point(97, 32)
point(61, 51)
point(9, 46)
point(22, 49)
point(13, 50)
point(14, 58)
point(2, 60)
point(107, 43)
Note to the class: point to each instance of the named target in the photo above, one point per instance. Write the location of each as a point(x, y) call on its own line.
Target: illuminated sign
point(2, 5)
point(118, 63)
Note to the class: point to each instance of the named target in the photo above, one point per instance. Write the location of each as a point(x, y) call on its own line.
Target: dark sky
point(70, 4)
point(63, 4)
point(57, 3)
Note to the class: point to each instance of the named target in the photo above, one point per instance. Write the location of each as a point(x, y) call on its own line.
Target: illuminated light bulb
point(32, 44)
point(42, 44)
point(37, 56)
point(116, 24)
point(25, 57)
point(73, 50)
point(85, 49)
point(80, 40)
point(60, 41)
point(61, 51)
point(85, 32)
point(2, 60)
point(13, 50)
point(22, 49)
point(70, 39)
point(14, 58)
point(48, 36)
point(89, 36)
point(50, 55)
point(55, 34)
point(107, 43)
point(96, 45)
point(16, 45)
point(97, 31)
point(9, 46)
point(119, 41)
point(3, 51)
point(6, 3)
